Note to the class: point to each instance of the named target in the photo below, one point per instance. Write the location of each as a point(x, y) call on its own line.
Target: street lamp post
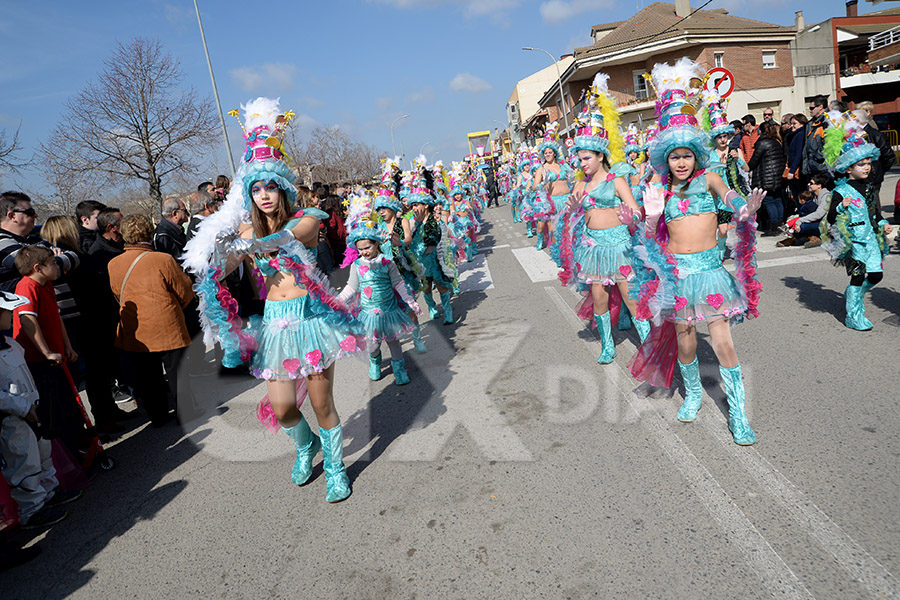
point(562, 95)
point(393, 145)
point(422, 149)
point(215, 92)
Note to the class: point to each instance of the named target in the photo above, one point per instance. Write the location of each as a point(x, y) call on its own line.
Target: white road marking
point(493, 247)
point(768, 564)
point(475, 276)
point(537, 264)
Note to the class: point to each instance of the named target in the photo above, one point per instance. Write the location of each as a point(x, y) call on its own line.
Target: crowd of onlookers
point(787, 160)
point(97, 302)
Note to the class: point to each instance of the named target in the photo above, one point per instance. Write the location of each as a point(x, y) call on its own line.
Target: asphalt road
point(515, 466)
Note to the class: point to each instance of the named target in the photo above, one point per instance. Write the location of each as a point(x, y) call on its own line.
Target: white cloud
point(181, 18)
point(556, 11)
point(383, 103)
point(279, 76)
point(466, 82)
point(422, 96)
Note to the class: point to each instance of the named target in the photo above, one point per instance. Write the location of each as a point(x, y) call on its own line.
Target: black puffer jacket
point(767, 165)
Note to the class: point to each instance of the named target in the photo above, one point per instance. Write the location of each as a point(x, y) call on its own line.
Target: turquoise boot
point(856, 311)
point(337, 484)
point(529, 229)
point(418, 344)
point(609, 347)
point(693, 391)
point(737, 420)
point(540, 242)
point(432, 307)
point(401, 377)
point(448, 310)
point(375, 367)
point(307, 445)
point(643, 328)
point(624, 323)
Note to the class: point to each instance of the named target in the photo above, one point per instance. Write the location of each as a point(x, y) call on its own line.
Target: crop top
point(551, 176)
point(697, 200)
point(262, 262)
point(603, 195)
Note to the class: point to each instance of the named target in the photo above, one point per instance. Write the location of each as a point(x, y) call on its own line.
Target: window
point(640, 86)
point(719, 59)
point(769, 59)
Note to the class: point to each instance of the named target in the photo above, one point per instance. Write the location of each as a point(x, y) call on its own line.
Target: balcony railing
point(885, 38)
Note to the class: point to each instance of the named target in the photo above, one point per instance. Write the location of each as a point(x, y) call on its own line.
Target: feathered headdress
point(597, 127)
point(845, 142)
point(550, 137)
point(362, 222)
point(715, 121)
point(385, 196)
point(676, 88)
point(264, 157)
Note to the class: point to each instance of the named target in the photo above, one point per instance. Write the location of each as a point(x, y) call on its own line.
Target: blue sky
point(450, 64)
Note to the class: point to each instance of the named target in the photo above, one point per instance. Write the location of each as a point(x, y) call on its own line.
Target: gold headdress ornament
point(259, 122)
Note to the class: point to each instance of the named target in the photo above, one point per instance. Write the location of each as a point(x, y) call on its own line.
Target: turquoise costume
point(602, 255)
point(380, 313)
point(705, 290)
point(299, 336)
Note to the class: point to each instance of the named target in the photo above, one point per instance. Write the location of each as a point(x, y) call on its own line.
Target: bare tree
point(335, 157)
point(135, 122)
point(9, 151)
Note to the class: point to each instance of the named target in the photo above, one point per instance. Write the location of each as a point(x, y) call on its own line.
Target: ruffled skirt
point(705, 290)
point(433, 271)
point(301, 336)
point(605, 256)
point(385, 324)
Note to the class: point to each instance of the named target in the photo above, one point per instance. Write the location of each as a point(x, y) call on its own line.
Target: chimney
point(799, 22)
point(683, 7)
point(852, 10)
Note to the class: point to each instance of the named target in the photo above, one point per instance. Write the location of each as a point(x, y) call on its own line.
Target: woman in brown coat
point(152, 291)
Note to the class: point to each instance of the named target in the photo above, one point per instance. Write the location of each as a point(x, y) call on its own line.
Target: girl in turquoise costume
point(692, 286)
point(529, 166)
point(434, 250)
point(596, 244)
point(383, 296)
point(854, 231)
point(397, 247)
point(551, 185)
point(305, 328)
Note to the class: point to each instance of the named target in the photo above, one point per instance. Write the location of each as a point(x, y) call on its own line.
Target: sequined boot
point(609, 347)
point(401, 377)
point(448, 310)
point(337, 484)
point(432, 307)
point(856, 311)
point(737, 420)
point(307, 445)
point(418, 343)
point(693, 391)
point(375, 367)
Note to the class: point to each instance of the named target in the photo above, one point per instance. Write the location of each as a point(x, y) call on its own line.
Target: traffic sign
point(721, 81)
point(569, 142)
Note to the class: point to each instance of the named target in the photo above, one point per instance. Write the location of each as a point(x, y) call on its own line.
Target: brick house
point(853, 58)
point(757, 53)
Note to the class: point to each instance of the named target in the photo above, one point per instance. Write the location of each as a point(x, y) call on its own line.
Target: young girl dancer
point(374, 278)
point(552, 186)
point(305, 328)
point(692, 284)
point(596, 247)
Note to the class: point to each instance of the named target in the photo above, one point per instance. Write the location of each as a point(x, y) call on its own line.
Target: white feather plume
point(262, 111)
point(601, 82)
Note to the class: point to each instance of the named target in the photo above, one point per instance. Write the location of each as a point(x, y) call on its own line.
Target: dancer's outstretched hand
point(654, 201)
point(625, 214)
point(754, 201)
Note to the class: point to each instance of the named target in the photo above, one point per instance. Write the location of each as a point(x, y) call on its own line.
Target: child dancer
point(377, 282)
point(855, 228)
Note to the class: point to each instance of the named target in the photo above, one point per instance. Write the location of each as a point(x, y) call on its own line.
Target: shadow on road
point(816, 297)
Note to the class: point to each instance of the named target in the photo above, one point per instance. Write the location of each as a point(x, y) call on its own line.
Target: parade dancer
point(693, 285)
point(596, 246)
point(528, 166)
point(434, 251)
point(382, 293)
point(305, 328)
point(553, 175)
point(397, 246)
point(855, 229)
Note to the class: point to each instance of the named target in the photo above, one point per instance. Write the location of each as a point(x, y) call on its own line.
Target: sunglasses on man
point(29, 212)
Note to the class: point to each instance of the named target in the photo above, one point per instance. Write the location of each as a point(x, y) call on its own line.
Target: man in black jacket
point(169, 236)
